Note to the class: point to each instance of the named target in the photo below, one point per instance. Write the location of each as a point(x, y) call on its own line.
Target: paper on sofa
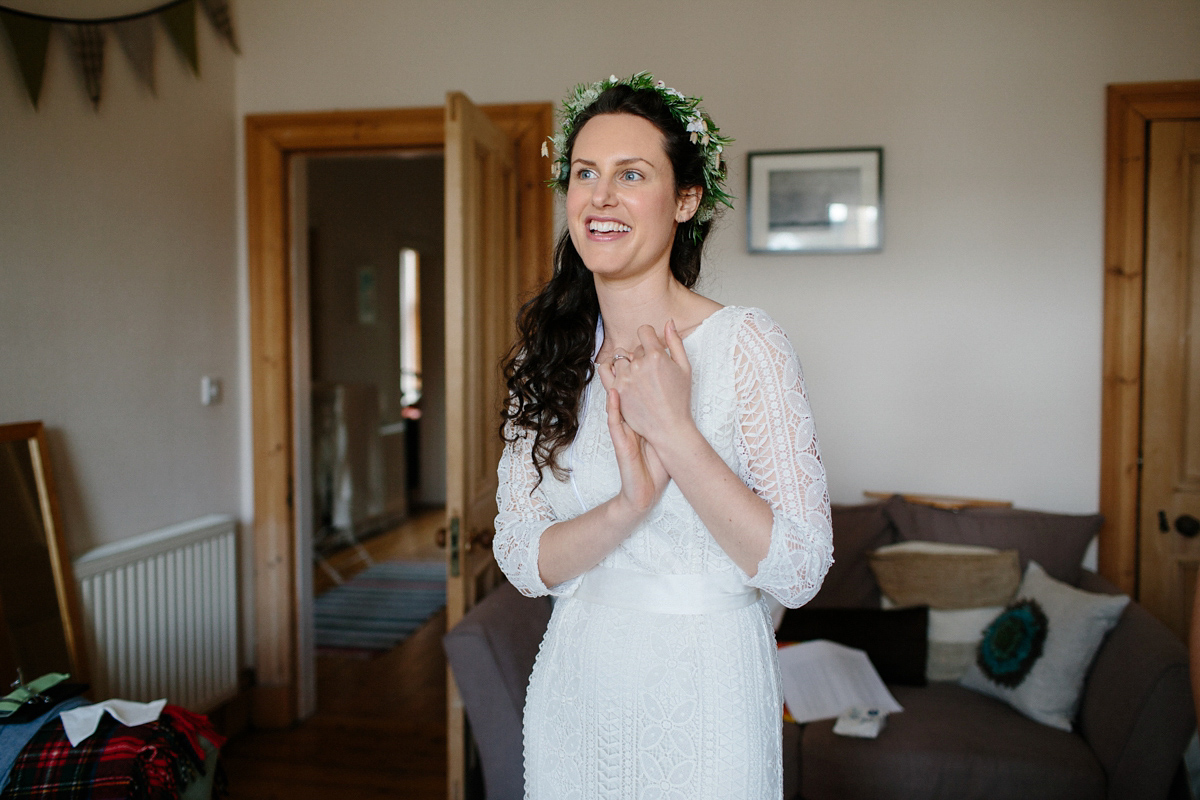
point(821, 679)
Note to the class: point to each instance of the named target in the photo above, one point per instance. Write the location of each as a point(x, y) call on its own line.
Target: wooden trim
point(1131, 107)
point(941, 500)
point(270, 140)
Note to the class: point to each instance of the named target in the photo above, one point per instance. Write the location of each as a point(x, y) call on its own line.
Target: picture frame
point(815, 201)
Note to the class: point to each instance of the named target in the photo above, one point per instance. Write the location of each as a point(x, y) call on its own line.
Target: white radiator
point(161, 614)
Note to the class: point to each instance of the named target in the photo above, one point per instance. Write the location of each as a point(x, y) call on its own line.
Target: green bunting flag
point(137, 40)
point(180, 22)
point(30, 38)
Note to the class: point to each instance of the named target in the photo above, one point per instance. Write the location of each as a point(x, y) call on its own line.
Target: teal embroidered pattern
point(1013, 643)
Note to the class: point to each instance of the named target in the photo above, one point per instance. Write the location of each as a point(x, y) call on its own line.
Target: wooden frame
point(270, 140)
point(33, 434)
point(1131, 107)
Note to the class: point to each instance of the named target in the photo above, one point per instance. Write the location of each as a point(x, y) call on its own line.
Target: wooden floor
point(380, 726)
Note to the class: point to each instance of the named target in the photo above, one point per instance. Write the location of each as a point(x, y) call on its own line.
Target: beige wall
point(963, 359)
point(118, 286)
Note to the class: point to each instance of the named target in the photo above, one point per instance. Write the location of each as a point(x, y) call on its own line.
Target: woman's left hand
point(654, 383)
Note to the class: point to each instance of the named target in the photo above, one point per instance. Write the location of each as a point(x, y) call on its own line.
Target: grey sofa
point(950, 742)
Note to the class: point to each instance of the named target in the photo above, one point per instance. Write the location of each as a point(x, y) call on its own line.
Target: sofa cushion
point(966, 586)
point(1056, 541)
point(950, 742)
point(857, 530)
point(894, 640)
point(946, 576)
point(953, 640)
point(1036, 654)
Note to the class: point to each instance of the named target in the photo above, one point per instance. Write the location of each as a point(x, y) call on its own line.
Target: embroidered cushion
point(1036, 654)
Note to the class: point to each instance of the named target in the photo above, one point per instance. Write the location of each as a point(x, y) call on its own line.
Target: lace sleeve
point(523, 516)
point(780, 461)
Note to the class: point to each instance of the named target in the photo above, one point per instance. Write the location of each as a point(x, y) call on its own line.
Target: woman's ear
point(688, 202)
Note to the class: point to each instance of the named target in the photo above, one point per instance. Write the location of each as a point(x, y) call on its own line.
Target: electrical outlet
point(210, 390)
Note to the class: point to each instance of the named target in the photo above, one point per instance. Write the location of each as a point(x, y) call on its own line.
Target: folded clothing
point(154, 761)
point(15, 735)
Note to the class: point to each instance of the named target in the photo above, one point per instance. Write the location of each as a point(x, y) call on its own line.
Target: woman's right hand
point(643, 477)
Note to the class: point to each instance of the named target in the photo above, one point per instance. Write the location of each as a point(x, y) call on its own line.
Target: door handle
point(1187, 525)
point(481, 538)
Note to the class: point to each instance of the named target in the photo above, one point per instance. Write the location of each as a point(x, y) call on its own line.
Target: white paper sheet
point(821, 679)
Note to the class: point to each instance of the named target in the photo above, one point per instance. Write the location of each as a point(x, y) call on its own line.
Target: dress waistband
point(665, 594)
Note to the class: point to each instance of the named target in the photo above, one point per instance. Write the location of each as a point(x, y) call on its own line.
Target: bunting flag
point(87, 45)
point(29, 35)
point(137, 40)
point(180, 22)
point(30, 38)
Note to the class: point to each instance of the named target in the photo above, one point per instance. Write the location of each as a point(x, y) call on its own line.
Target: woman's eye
point(631, 175)
point(584, 173)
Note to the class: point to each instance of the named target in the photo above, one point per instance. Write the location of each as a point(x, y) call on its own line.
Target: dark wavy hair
point(551, 361)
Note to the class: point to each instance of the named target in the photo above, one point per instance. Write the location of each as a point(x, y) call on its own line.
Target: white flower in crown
point(546, 149)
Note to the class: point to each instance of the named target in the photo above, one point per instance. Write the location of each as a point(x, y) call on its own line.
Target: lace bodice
point(749, 401)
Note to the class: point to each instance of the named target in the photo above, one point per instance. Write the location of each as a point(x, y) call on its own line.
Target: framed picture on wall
point(816, 201)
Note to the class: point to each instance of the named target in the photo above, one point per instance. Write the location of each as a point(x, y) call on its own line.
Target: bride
point(660, 472)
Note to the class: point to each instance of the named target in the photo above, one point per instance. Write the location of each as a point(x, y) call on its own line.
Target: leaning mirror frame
point(33, 435)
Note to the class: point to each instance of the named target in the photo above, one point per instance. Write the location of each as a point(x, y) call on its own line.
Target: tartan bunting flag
point(87, 45)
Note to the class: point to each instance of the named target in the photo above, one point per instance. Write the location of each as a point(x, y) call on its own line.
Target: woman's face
point(622, 208)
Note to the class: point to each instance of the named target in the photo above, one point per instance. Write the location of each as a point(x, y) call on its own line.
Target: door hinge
point(454, 537)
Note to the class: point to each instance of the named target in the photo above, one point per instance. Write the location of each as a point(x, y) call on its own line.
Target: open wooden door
point(481, 303)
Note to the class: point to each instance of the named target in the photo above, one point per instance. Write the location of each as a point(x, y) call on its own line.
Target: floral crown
point(685, 109)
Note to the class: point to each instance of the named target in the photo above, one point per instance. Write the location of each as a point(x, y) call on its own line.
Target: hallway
point(380, 726)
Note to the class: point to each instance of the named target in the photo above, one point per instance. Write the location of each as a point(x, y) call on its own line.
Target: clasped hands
point(648, 399)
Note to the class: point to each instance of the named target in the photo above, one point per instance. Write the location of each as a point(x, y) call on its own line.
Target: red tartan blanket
point(155, 761)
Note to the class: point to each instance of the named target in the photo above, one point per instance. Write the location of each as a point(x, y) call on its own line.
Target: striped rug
point(378, 608)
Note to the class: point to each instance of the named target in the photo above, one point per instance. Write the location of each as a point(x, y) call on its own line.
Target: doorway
point(284, 683)
point(1139, 551)
point(375, 246)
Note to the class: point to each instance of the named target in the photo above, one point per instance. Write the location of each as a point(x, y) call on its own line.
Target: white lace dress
point(648, 692)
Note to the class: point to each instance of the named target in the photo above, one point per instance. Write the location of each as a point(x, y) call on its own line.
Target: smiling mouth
point(608, 226)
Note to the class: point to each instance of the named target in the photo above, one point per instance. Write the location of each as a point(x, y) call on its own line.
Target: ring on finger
point(619, 356)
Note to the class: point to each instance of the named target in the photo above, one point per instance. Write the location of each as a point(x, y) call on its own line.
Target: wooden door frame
point(270, 140)
point(1131, 108)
